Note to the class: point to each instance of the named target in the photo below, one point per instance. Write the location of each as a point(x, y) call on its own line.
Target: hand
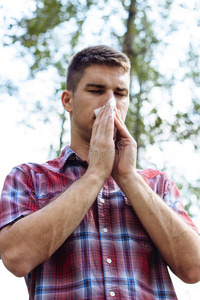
point(125, 151)
point(102, 146)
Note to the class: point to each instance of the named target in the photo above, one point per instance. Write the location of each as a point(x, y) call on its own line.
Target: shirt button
point(102, 200)
point(109, 261)
point(105, 230)
point(112, 294)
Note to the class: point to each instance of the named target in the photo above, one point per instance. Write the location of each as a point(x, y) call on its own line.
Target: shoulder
point(30, 168)
point(151, 173)
point(157, 180)
point(27, 173)
point(53, 165)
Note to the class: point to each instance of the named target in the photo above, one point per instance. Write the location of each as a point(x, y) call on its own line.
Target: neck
point(81, 148)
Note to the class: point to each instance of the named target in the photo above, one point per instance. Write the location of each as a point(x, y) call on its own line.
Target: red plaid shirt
point(109, 255)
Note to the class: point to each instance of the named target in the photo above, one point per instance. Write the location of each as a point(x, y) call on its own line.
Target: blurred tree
point(7, 87)
point(55, 29)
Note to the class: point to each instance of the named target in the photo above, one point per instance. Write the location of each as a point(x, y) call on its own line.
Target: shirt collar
point(70, 157)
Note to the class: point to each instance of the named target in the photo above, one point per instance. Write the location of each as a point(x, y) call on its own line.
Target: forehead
point(105, 75)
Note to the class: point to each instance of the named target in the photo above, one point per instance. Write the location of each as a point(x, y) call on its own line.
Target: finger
point(106, 122)
point(103, 126)
point(96, 122)
point(121, 127)
point(118, 119)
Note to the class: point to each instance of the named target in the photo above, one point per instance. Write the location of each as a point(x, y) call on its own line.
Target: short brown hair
point(96, 55)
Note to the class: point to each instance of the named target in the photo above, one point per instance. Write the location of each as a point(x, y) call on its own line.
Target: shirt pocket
point(48, 186)
point(47, 198)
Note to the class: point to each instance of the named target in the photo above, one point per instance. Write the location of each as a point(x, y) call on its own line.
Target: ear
point(67, 100)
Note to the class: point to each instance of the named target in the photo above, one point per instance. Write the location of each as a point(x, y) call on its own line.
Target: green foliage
point(8, 87)
point(55, 29)
point(139, 42)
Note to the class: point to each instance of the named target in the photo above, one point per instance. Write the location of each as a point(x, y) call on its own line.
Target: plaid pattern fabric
point(109, 255)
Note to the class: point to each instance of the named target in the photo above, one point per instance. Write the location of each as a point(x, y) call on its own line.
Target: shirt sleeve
point(18, 198)
point(173, 199)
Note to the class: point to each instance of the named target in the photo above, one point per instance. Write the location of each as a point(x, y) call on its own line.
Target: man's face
point(98, 84)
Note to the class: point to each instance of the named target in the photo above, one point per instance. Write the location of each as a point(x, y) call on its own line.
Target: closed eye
point(95, 91)
point(120, 94)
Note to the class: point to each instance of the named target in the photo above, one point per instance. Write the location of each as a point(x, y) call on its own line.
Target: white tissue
point(112, 104)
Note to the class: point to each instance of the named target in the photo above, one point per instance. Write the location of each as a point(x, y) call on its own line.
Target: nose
point(109, 95)
point(112, 103)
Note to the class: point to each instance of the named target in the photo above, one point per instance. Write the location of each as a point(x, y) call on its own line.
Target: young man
point(88, 225)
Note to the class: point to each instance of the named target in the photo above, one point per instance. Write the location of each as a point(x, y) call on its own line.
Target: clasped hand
point(113, 150)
